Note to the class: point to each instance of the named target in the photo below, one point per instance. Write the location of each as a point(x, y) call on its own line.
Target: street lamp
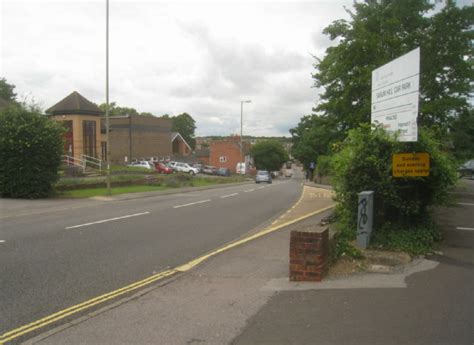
point(107, 150)
point(241, 126)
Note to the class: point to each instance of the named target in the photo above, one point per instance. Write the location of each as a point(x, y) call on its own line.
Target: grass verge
point(91, 192)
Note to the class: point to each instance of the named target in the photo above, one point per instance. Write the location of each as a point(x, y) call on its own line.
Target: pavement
point(241, 295)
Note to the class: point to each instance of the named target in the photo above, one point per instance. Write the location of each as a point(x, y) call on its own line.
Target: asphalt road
point(62, 256)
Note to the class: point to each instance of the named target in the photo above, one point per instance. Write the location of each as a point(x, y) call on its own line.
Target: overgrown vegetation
point(402, 205)
point(30, 152)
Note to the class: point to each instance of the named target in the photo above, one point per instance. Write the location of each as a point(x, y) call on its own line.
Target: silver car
point(263, 176)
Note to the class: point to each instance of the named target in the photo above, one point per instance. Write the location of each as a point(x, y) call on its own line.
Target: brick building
point(130, 136)
point(226, 153)
point(81, 118)
point(137, 136)
point(180, 147)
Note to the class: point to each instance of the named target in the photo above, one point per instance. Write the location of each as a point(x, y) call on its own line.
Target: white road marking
point(465, 204)
point(107, 220)
point(2, 241)
point(192, 203)
point(467, 229)
point(249, 190)
point(229, 195)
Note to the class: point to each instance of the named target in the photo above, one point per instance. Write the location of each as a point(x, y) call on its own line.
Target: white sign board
point(395, 90)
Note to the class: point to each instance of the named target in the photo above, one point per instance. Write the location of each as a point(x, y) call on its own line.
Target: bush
point(416, 239)
point(30, 153)
point(364, 162)
point(323, 167)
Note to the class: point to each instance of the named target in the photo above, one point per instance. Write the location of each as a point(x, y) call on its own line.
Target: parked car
point(197, 166)
point(263, 176)
point(162, 168)
point(186, 168)
point(223, 172)
point(172, 165)
point(467, 169)
point(142, 164)
point(209, 169)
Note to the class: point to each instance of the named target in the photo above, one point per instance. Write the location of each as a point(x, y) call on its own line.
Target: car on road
point(223, 172)
point(162, 168)
point(263, 176)
point(467, 169)
point(142, 164)
point(186, 168)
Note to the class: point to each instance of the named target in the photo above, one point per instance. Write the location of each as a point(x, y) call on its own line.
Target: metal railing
point(96, 163)
point(83, 162)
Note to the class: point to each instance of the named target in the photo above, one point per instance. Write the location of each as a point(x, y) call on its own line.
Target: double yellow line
point(18, 332)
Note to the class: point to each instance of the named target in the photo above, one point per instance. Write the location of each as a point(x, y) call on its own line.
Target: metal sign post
point(365, 216)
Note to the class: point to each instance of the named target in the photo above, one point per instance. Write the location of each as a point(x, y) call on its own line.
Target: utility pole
point(109, 191)
point(241, 128)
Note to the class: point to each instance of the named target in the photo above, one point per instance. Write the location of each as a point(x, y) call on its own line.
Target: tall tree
point(115, 110)
point(312, 138)
point(6, 91)
point(269, 155)
point(185, 125)
point(382, 30)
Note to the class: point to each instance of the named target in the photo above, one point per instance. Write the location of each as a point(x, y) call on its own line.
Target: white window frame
point(223, 159)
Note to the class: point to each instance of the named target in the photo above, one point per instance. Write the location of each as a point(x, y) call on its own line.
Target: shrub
point(364, 162)
point(30, 153)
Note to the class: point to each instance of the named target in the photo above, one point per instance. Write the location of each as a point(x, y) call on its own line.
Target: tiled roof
point(75, 103)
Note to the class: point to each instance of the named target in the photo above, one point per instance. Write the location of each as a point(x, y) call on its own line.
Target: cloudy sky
point(202, 58)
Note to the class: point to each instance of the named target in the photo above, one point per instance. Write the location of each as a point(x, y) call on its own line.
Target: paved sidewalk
point(210, 303)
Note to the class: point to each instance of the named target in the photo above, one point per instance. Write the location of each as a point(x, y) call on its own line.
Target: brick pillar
point(309, 254)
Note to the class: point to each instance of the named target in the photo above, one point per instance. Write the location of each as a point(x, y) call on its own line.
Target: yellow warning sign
point(410, 164)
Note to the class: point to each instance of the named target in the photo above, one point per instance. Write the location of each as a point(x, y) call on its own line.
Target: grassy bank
point(122, 184)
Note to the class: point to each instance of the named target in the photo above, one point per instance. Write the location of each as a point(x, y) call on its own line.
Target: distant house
point(179, 146)
point(226, 153)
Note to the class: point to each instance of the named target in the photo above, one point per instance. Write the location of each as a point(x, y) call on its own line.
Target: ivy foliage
point(364, 163)
point(30, 151)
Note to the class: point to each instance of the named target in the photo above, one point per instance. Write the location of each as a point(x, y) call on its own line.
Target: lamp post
point(242, 126)
point(107, 151)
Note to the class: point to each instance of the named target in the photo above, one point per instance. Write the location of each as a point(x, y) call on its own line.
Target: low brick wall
point(309, 254)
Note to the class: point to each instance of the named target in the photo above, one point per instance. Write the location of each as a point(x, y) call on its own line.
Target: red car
point(162, 169)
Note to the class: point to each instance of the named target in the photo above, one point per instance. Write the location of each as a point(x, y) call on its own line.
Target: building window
point(88, 130)
point(68, 138)
point(223, 159)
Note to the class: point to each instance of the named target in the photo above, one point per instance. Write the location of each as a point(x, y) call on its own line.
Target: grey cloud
point(232, 68)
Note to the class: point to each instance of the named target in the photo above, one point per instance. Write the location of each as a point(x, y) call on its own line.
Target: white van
point(241, 168)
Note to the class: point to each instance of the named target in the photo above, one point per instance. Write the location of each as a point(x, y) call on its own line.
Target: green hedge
point(30, 153)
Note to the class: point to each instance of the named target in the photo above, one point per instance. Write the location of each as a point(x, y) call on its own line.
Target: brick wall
point(149, 137)
point(228, 150)
point(309, 254)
